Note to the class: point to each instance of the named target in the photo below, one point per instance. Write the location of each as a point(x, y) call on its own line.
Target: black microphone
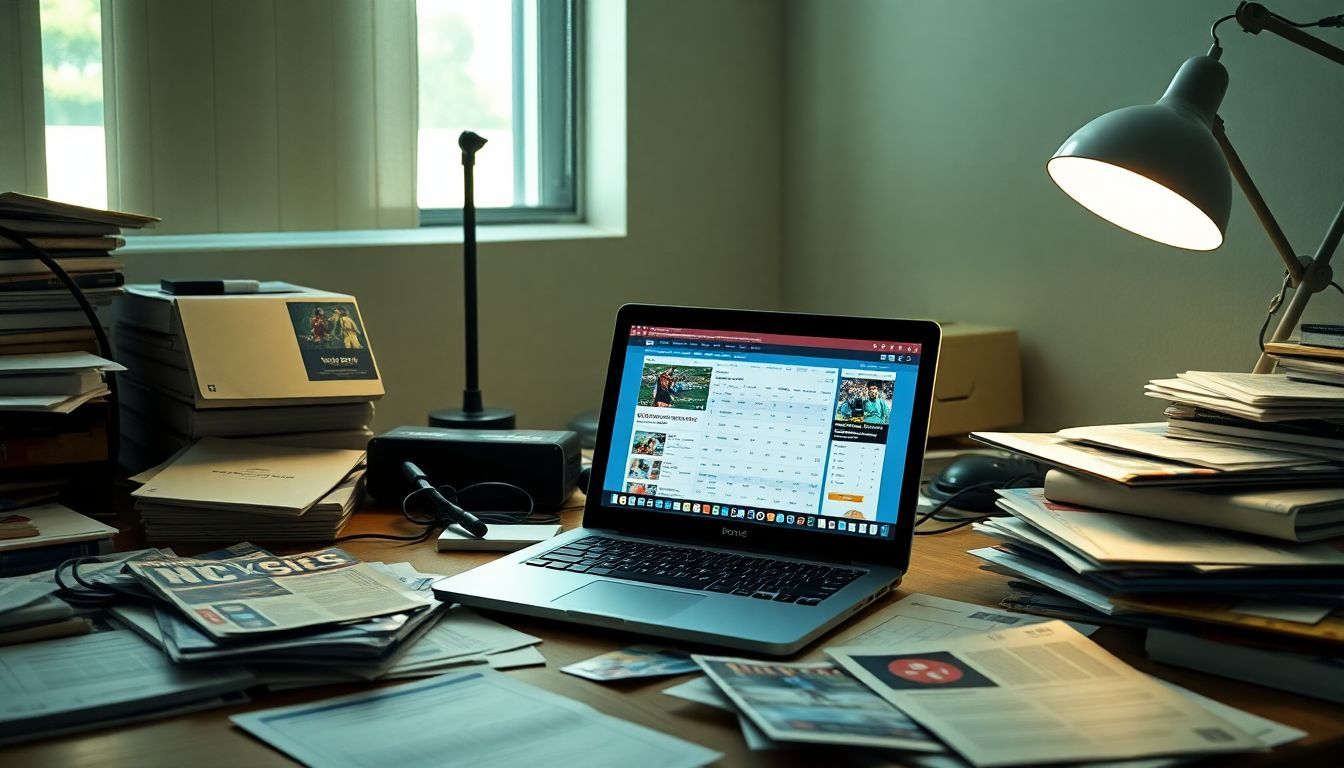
point(469, 522)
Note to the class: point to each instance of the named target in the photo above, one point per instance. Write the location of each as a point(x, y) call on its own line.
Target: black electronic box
point(546, 464)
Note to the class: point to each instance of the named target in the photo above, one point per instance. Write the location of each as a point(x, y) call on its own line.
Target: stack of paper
point(1264, 397)
point(226, 490)
point(1271, 412)
point(52, 382)
point(1309, 362)
point(1113, 567)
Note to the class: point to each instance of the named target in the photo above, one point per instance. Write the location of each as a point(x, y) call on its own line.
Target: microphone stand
point(473, 414)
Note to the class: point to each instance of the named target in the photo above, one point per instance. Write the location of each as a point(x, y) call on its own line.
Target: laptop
point(754, 481)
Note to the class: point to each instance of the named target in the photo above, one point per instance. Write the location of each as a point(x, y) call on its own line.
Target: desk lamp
point(473, 415)
point(1162, 170)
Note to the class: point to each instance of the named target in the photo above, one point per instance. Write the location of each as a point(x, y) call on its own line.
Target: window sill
point(363, 238)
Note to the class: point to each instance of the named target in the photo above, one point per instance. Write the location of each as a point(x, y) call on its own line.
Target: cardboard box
point(979, 380)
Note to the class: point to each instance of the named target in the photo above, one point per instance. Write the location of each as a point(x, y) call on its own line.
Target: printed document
point(1037, 694)
point(479, 718)
point(56, 684)
point(924, 617)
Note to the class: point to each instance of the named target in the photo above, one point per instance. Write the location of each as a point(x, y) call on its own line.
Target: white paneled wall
point(262, 115)
point(23, 162)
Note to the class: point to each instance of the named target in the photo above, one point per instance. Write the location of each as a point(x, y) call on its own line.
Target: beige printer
point(979, 382)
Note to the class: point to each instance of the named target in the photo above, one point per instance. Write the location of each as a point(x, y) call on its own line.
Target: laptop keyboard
point(726, 572)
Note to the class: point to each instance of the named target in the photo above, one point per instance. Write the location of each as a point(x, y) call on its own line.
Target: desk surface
point(940, 567)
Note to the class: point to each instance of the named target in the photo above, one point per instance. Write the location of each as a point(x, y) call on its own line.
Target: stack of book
point(1321, 360)
point(53, 419)
point(37, 313)
point(1208, 543)
point(287, 365)
point(230, 490)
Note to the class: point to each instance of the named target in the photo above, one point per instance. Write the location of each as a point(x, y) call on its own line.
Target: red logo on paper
point(925, 671)
point(210, 616)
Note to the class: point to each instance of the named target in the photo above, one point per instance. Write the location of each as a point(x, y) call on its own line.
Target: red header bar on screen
point(742, 337)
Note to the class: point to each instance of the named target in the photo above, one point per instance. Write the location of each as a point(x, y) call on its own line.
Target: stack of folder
point(1227, 550)
point(227, 490)
point(288, 365)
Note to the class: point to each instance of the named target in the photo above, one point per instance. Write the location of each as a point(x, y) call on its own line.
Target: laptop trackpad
point(626, 600)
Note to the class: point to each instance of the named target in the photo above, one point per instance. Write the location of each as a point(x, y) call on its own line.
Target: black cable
point(441, 518)
point(962, 524)
point(932, 512)
point(104, 344)
point(1274, 304)
point(1213, 31)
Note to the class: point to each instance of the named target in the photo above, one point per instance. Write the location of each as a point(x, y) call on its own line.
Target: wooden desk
point(940, 567)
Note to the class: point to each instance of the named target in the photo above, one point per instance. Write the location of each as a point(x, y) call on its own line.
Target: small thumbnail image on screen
point(675, 386)
point(864, 401)
point(641, 489)
point(644, 469)
point(648, 443)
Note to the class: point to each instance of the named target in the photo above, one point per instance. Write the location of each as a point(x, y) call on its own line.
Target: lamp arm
point(1315, 278)
point(1256, 18)
point(1258, 204)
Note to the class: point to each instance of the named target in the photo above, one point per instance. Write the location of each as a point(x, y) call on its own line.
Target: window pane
point(504, 69)
point(466, 83)
point(72, 77)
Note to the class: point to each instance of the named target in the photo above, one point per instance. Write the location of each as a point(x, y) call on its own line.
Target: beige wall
point(915, 145)
point(704, 97)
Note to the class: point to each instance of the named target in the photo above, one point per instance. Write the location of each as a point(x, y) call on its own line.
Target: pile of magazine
point(314, 617)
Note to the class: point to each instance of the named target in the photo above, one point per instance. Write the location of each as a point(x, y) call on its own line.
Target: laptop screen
point(804, 432)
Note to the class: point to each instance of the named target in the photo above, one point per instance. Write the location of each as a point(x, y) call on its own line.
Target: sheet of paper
point(479, 718)
point(925, 617)
point(54, 362)
point(1119, 538)
point(1301, 614)
point(1150, 439)
point(1264, 388)
point(55, 683)
point(1036, 694)
point(634, 661)
point(461, 635)
point(814, 703)
point(702, 691)
point(16, 593)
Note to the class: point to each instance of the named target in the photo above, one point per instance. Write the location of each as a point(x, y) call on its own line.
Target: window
point(505, 70)
point(72, 78)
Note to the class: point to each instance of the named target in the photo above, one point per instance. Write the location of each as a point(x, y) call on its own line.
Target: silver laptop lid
point(772, 431)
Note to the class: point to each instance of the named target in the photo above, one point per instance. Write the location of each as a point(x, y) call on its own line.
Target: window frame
point(558, 73)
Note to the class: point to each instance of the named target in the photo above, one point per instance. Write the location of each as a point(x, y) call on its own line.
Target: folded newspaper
point(260, 593)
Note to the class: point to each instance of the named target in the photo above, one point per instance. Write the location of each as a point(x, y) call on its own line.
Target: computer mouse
point(984, 474)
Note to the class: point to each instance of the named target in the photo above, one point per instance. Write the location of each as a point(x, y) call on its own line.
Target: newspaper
point(1038, 694)
point(259, 593)
point(815, 703)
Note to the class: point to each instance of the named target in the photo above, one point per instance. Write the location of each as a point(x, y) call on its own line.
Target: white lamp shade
point(1156, 169)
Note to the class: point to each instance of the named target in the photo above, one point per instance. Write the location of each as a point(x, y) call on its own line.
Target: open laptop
point(754, 481)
